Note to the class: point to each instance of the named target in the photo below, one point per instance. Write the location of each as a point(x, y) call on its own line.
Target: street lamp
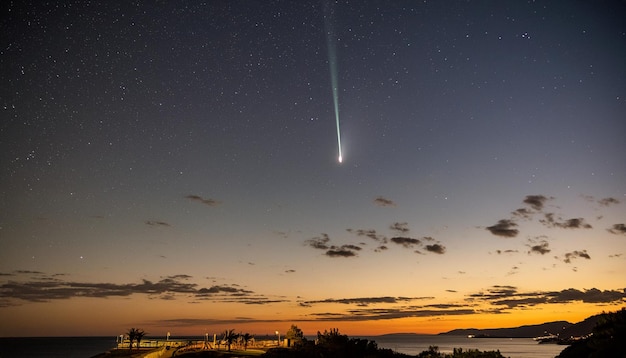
point(278, 334)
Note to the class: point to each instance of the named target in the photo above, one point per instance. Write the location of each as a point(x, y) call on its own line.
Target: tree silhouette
point(139, 336)
point(332, 338)
point(132, 334)
point(229, 337)
point(246, 338)
point(295, 335)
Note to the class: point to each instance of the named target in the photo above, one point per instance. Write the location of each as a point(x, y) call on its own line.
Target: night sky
point(174, 165)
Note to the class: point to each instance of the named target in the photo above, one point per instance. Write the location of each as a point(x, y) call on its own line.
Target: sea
point(87, 347)
point(509, 347)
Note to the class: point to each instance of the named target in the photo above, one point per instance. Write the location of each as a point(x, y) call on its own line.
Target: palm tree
point(135, 334)
point(246, 338)
point(229, 337)
point(132, 335)
point(139, 336)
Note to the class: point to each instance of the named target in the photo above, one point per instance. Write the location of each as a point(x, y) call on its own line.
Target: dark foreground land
point(336, 345)
point(607, 340)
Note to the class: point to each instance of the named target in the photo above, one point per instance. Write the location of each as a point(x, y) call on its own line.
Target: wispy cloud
point(510, 297)
point(617, 229)
point(523, 213)
point(436, 248)
point(504, 228)
point(536, 202)
point(340, 252)
point(401, 227)
point(608, 201)
point(381, 201)
point(381, 248)
point(373, 314)
point(364, 301)
point(405, 241)
point(542, 247)
point(509, 251)
point(372, 234)
point(156, 223)
point(320, 243)
point(323, 243)
point(177, 286)
point(205, 201)
point(575, 223)
point(576, 254)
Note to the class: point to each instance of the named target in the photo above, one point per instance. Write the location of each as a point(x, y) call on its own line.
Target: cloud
point(320, 243)
point(504, 228)
point(523, 213)
point(592, 295)
point(368, 233)
point(500, 299)
point(436, 248)
point(349, 247)
point(575, 223)
point(510, 297)
point(356, 315)
point(575, 254)
point(608, 201)
point(540, 248)
point(536, 201)
point(170, 287)
point(208, 201)
point(323, 243)
point(28, 272)
point(506, 251)
point(340, 253)
point(617, 229)
point(405, 241)
point(513, 271)
point(380, 201)
point(156, 223)
point(363, 312)
point(402, 227)
point(364, 301)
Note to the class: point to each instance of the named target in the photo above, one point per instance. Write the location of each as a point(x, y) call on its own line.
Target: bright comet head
point(340, 159)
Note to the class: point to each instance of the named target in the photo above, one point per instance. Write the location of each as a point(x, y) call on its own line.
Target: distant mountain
point(563, 328)
point(400, 335)
point(515, 332)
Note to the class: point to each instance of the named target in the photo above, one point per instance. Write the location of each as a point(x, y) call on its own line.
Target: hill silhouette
point(563, 329)
point(605, 341)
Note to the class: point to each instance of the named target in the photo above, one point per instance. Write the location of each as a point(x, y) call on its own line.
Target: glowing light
point(332, 63)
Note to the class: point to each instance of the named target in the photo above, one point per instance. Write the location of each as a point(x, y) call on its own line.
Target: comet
point(332, 64)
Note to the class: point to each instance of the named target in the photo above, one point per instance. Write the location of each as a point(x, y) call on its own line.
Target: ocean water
point(87, 347)
point(509, 347)
point(55, 347)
